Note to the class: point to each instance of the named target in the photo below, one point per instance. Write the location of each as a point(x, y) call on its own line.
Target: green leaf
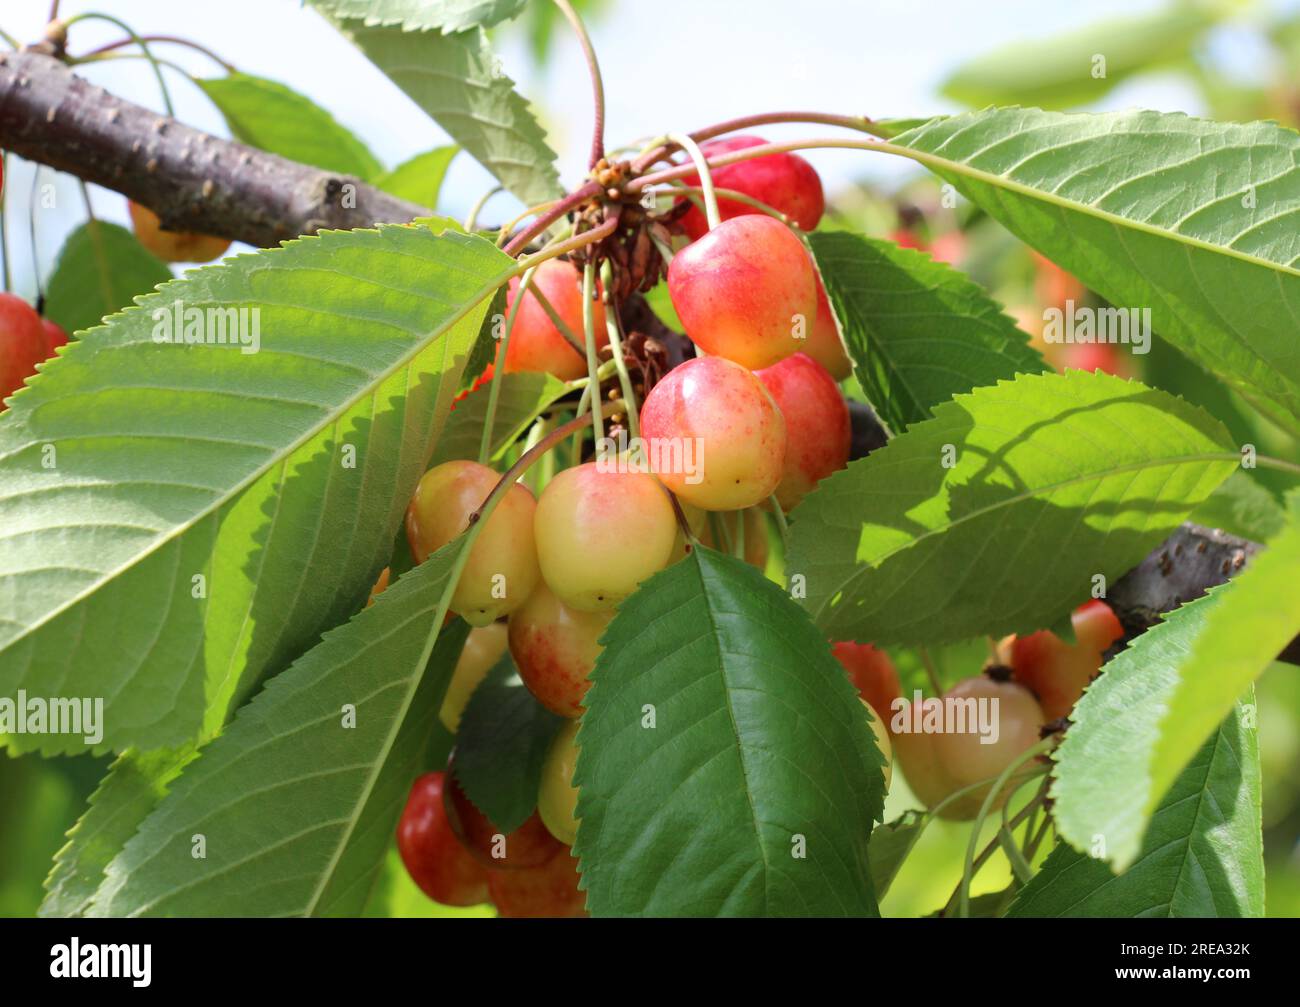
point(1053, 479)
point(419, 179)
point(296, 802)
point(420, 15)
point(273, 117)
point(176, 461)
point(1242, 507)
point(890, 845)
point(522, 396)
point(131, 789)
point(456, 80)
point(1202, 856)
point(1154, 705)
point(722, 740)
point(1063, 71)
point(1197, 221)
point(918, 331)
point(500, 746)
point(100, 270)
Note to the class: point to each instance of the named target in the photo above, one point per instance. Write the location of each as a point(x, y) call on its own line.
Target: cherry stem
point(994, 845)
point(169, 39)
point(680, 514)
point(526, 459)
point(781, 523)
point(706, 178)
point(137, 40)
point(602, 230)
point(589, 332)
point(4, 223)
point(856, 122)
point(597, 84)
point(613, 326)
point(963, 896)
point(513, 223)
point(472, 218)
point(930, 672)
point(499, 370)
point(570, 336)
point(557, 209)
point(731, 195)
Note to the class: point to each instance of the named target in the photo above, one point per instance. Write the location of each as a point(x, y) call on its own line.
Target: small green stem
point(589, 332)
point(963, 898)
point(144, 48)
point(477, 208)
point(9, 40)
point(521, 466)
point(570, 336)
point(169, 39)
point(735, 196)
point(930, 671)
point(4, 226)
point(706, 178)
point(551, 251)
point(31, 231)
point(783, 526)
point(498, 371)
point(615, 330)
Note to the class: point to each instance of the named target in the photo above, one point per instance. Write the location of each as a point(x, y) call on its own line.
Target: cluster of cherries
point(758, 408)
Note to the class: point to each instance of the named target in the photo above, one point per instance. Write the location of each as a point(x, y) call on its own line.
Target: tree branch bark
point(194, 181)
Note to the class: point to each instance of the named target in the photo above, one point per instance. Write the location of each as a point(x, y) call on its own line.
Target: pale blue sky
point(671, 64)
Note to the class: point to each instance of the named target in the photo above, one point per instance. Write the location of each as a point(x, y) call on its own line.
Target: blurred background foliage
point(40, 800)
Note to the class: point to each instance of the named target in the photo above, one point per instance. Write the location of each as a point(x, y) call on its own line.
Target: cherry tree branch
point(194, 181)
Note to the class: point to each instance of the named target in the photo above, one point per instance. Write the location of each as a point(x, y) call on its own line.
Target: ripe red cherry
point(817, 429)
point(721, 416)
point(600, 532)
point(872, 674)
point(530, 845)
point(555, 647)
point(785, 182)
point(433, 857)
point(173, 246)
point(535, 342)
point(501, 571)
point(54, 336)
point(823, 343)
point(746, 291)
point(22, 343)
point(546, 892)
point(1056, 672)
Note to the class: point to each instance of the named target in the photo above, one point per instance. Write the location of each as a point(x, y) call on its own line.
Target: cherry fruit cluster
point(759, 411)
